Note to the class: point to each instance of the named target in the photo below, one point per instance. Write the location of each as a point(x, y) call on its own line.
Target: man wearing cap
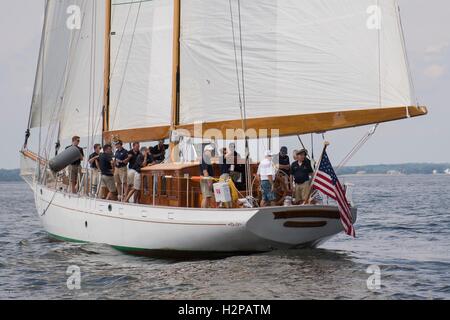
point(301, 171)
point(266, 174)
point(121, 170)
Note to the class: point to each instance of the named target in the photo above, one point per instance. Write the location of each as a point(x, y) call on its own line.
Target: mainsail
point(309, 66)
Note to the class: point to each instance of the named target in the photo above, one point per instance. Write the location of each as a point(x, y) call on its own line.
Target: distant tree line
point(408, 168)
point(10, 175)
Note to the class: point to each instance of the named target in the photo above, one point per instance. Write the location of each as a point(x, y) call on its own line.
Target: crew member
point(121, 169)
point(75, 167)
point(159, 151)
point(132, 154)
point(94, 168)
point(266, 174)
point(301, 174)
point(144, 159)
point(106, 164)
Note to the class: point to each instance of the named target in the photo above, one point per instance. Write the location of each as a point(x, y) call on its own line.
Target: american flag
point(327, 182)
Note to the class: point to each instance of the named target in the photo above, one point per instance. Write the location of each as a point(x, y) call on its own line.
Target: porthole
point(110, 208)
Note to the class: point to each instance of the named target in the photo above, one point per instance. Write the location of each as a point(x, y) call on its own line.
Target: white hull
point(139, 228)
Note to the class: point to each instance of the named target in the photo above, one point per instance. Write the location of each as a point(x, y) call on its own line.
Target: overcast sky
point(425, 139)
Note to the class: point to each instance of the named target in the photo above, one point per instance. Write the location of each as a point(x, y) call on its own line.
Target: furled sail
point(141, 66)
point(307, 66)
point(69, 83)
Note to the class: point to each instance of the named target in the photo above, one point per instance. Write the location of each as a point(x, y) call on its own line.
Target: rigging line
point(380, 98)
point(38, 63)
point(408, 66)
point(99, 107)
point(92, 81)
point(244, 102)
point(301, 141)
point(357, 147)
point(63, 83)
point(68, 67)
point(127, 61)
point(237, 64)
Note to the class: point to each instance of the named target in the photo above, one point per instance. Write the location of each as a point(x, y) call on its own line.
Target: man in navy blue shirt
point(121, 158)
point(301, 171)
point(143, 160)
point(106, 162)
point(132, 154)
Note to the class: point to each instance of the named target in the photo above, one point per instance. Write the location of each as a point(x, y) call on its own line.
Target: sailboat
point(183, 70)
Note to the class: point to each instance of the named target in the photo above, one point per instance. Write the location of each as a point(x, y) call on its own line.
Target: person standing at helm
point(301, 174)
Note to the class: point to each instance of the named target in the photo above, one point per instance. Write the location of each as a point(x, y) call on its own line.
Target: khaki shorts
point(206, 185)
point(302, 191)
point(131, 174)
point(74, 173)
point(137, 181)
point(121, 175)
point(109, 183)
point(95, 175)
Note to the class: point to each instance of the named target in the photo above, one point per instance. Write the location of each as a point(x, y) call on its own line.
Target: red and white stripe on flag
point(324, 183)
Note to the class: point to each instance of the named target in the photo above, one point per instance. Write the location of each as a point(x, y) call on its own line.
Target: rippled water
point(403, 227)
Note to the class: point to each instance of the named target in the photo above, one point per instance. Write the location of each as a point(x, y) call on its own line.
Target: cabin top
point(171, 166)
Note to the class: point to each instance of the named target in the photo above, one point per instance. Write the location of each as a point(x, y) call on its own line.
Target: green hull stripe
point(128, 249)
point(54, 236)
point(124, 249)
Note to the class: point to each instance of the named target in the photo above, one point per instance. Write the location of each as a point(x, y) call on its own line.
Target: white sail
point(141, 63)
point(69, 81)
point(299, 57)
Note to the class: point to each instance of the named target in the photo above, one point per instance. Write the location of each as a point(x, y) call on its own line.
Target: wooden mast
point(175, 74)
point(107, 70)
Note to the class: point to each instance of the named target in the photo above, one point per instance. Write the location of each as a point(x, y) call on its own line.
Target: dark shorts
point(267, 193)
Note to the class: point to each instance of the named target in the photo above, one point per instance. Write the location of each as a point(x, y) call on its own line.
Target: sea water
point(402, 251)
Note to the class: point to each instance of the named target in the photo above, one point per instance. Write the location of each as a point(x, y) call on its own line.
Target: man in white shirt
point(266, 174)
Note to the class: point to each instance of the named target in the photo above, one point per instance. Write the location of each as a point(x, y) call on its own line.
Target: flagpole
point(325, 146)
